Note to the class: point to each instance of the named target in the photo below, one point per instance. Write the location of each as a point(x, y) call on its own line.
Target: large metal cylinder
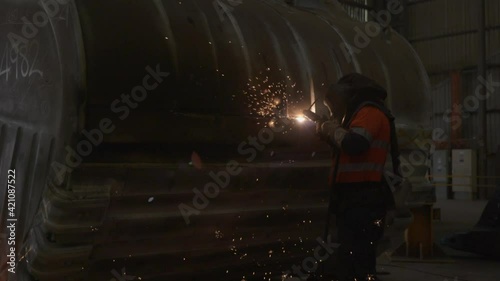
point(216, 50)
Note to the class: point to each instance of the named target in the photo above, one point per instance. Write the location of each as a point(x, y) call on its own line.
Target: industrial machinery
point(163, 140)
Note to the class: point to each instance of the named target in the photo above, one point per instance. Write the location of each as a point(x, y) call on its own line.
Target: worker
point(361, 142)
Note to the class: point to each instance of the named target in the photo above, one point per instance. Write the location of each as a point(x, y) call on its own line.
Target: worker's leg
point(374, 231)
point(378, 214)
point(345, 261)
point(364, 227)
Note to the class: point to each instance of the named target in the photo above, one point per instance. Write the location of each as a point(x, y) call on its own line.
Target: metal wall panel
point(358, 13)
point(493, 42)
point(493, 12)
point(472, 85)
point(441, 98)
point(493, 132)
point(441, 102)
point(448, 53)
point(446, 39)
point(494, 98)
point(471, 129)
point(441, 17)
point(440, 123)
point(470, 98)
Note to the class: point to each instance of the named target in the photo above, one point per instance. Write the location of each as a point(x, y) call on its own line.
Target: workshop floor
point(456, 216)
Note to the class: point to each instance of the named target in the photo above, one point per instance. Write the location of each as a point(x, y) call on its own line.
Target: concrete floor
point(456, 216)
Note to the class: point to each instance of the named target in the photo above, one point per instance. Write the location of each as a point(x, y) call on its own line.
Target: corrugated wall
point(471, 125)
point(494, 108)
point(471, 128)
point(444, 32)
point(441, 101)
point(357, 13)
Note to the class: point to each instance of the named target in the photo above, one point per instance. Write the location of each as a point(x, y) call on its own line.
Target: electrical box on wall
point(441, 172)
point(464, 173)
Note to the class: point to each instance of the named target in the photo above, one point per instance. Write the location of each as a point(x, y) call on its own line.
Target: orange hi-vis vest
point(371, 123)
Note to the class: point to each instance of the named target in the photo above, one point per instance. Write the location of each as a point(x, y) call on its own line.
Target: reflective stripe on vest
point(368, 166)
point(354, 171)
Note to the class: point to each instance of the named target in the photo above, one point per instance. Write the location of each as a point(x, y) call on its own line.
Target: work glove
point(318, 129)
point(319, 132)
point(329, 126)
point(333, 131)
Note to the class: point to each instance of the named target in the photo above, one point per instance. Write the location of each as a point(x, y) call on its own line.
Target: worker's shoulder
point(373, 114)
point(372, 111)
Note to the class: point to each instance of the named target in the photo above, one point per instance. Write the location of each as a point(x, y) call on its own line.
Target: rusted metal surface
point(120, 209)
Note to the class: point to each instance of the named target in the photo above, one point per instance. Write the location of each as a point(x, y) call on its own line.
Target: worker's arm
point(358, 138)
point(354, 144)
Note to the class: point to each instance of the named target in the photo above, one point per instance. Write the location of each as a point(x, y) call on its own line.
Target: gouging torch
point(313, 116)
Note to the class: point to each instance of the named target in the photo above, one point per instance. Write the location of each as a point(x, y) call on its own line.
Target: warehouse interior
point(166, 140)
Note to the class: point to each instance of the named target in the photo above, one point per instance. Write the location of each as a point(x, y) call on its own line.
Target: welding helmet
point(351, 90)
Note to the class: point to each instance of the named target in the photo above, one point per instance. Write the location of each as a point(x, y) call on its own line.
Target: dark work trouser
point(360, 224)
